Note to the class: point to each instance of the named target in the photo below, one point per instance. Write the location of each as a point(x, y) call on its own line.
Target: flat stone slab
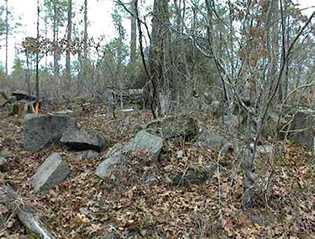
point(83, 139)
point(52, 172)
point(42, 130)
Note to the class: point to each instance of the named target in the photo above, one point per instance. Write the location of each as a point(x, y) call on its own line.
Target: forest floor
point(84, 206)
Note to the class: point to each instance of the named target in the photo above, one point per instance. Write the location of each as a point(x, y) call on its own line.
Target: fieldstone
point(43, 130)
point(88, 155)
point(106, 168)
point(52, 172)
point(83, 139)
point(117, 149)
point(303, 128)
point(146, 141)
point(191, 176)
point(117, 155)
point(3, 163)
point(210, 140)
point(174, 126)
point(114, 158)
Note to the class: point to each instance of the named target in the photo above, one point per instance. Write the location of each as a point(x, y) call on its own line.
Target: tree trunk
point(28, 74)
point(46, 37)
point(6, 38)
point(85, 40)
point(133, 34)
point(159, 56)
point(287, 32)
point(69, 33)
point(37, 59)
point(275, 44)
point(55, 40)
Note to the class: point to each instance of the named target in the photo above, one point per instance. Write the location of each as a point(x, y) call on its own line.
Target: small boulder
point(303, 128)
point(52, 172)
point(210, 140)
point(174, 126)
point(88, 155)
point(43, 130)
point(146, 141)
point(83, 139)
point(191, 176)
point(106, 168)
point(117, 155)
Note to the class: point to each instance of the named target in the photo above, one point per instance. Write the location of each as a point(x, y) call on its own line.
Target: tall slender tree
point(133, 33)
point(37, 58)
point(85, 40)
point(6, 37)
point(69, 36)
point(56, 12)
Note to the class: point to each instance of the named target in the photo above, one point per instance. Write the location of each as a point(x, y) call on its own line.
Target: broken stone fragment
point(52, 172)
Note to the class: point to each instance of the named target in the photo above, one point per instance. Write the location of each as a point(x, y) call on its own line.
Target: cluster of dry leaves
point(142, 202)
